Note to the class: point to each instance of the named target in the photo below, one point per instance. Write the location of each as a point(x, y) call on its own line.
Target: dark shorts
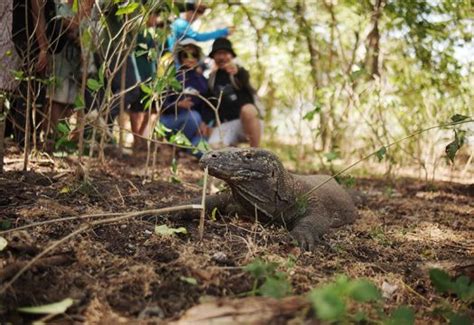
point(232, 111)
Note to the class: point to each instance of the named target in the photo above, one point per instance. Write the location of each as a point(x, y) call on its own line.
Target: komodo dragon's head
point(257, 177)
point(235, 165)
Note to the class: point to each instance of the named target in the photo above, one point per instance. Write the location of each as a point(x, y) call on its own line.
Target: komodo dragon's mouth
point(229, 169)
point(231, 172)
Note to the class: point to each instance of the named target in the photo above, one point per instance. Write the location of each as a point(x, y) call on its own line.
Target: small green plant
point(63, 142)
point(461, 287)
point(174, 178)
point(348, 181)
point(378, 234)
point(164, 230)
point(459, 137)
point(348, 301)
point(180, 139)
point(268, 281)
point(388, 191)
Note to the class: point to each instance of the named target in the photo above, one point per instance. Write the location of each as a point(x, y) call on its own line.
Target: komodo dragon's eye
point(248, 156)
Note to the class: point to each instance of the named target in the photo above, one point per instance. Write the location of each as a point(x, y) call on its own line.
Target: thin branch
point(87, 227)
point(203, 205)
point(306, 194)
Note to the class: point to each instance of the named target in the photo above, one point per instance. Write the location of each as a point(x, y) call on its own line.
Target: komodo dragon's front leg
point(224, 202)
point(309, 229)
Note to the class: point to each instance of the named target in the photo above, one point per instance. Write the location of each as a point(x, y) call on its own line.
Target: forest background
point(383, 82)
point(344, 78)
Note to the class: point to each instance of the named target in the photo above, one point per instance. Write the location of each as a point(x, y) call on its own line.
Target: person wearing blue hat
point(181, 28)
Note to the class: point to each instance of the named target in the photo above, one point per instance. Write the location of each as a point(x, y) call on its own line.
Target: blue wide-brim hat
point(222, 43)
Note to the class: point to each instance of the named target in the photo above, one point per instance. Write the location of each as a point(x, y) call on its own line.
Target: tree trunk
point(373, 40)
point(307, 33)
point(3, 117)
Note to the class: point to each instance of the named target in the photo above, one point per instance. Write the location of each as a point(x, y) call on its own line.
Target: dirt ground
point(125, 272)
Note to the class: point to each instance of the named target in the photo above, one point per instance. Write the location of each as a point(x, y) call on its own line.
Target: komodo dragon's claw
point(305, 239)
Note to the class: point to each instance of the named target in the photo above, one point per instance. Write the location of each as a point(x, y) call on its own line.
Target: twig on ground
point(120, 195)
point(414, 292)
point(203, 205)
point(133, 185)
point(41, 223)
point(11, 269)
point(85, 227)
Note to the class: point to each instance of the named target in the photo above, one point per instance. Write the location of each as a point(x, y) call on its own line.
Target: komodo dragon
point(261, 185)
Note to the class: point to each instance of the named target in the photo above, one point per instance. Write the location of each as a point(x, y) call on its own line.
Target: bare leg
point(137, 120)
point(148, 123)
point(251, 124)
point(59, 112)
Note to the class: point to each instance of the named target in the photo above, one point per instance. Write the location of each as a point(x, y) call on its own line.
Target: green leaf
point(402, 315)
point(381, 153)
point(75, 6)
point(260, 269)
point(453, 147)
point(310, 115)
point(164, 230)
point(451, 150)
point(93, 84)
point(66, 189)
point(3, 243)
point(328, 304)
point(146, 89)
point(360, 316)
point(86, 39)
point(363, 291)
point(63, 128)
point(56, 308)
point(189, 280)
point(459, 319)
point(441, 280)
point(202, 146)
point(464, 288)
point(128, 9)
point(347, 181)
point(458, 118)
point(275, 288)
point(161, 130)
point(301, 205)
point(331, 156)
point(79, 103)
point(180, 138)
point(213, 214)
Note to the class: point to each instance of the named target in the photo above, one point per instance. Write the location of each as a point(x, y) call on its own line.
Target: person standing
point(8, 63)
point(30, 36)
point(181, 28)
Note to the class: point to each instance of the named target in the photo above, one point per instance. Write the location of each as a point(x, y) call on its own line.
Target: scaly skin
point(259, 183)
